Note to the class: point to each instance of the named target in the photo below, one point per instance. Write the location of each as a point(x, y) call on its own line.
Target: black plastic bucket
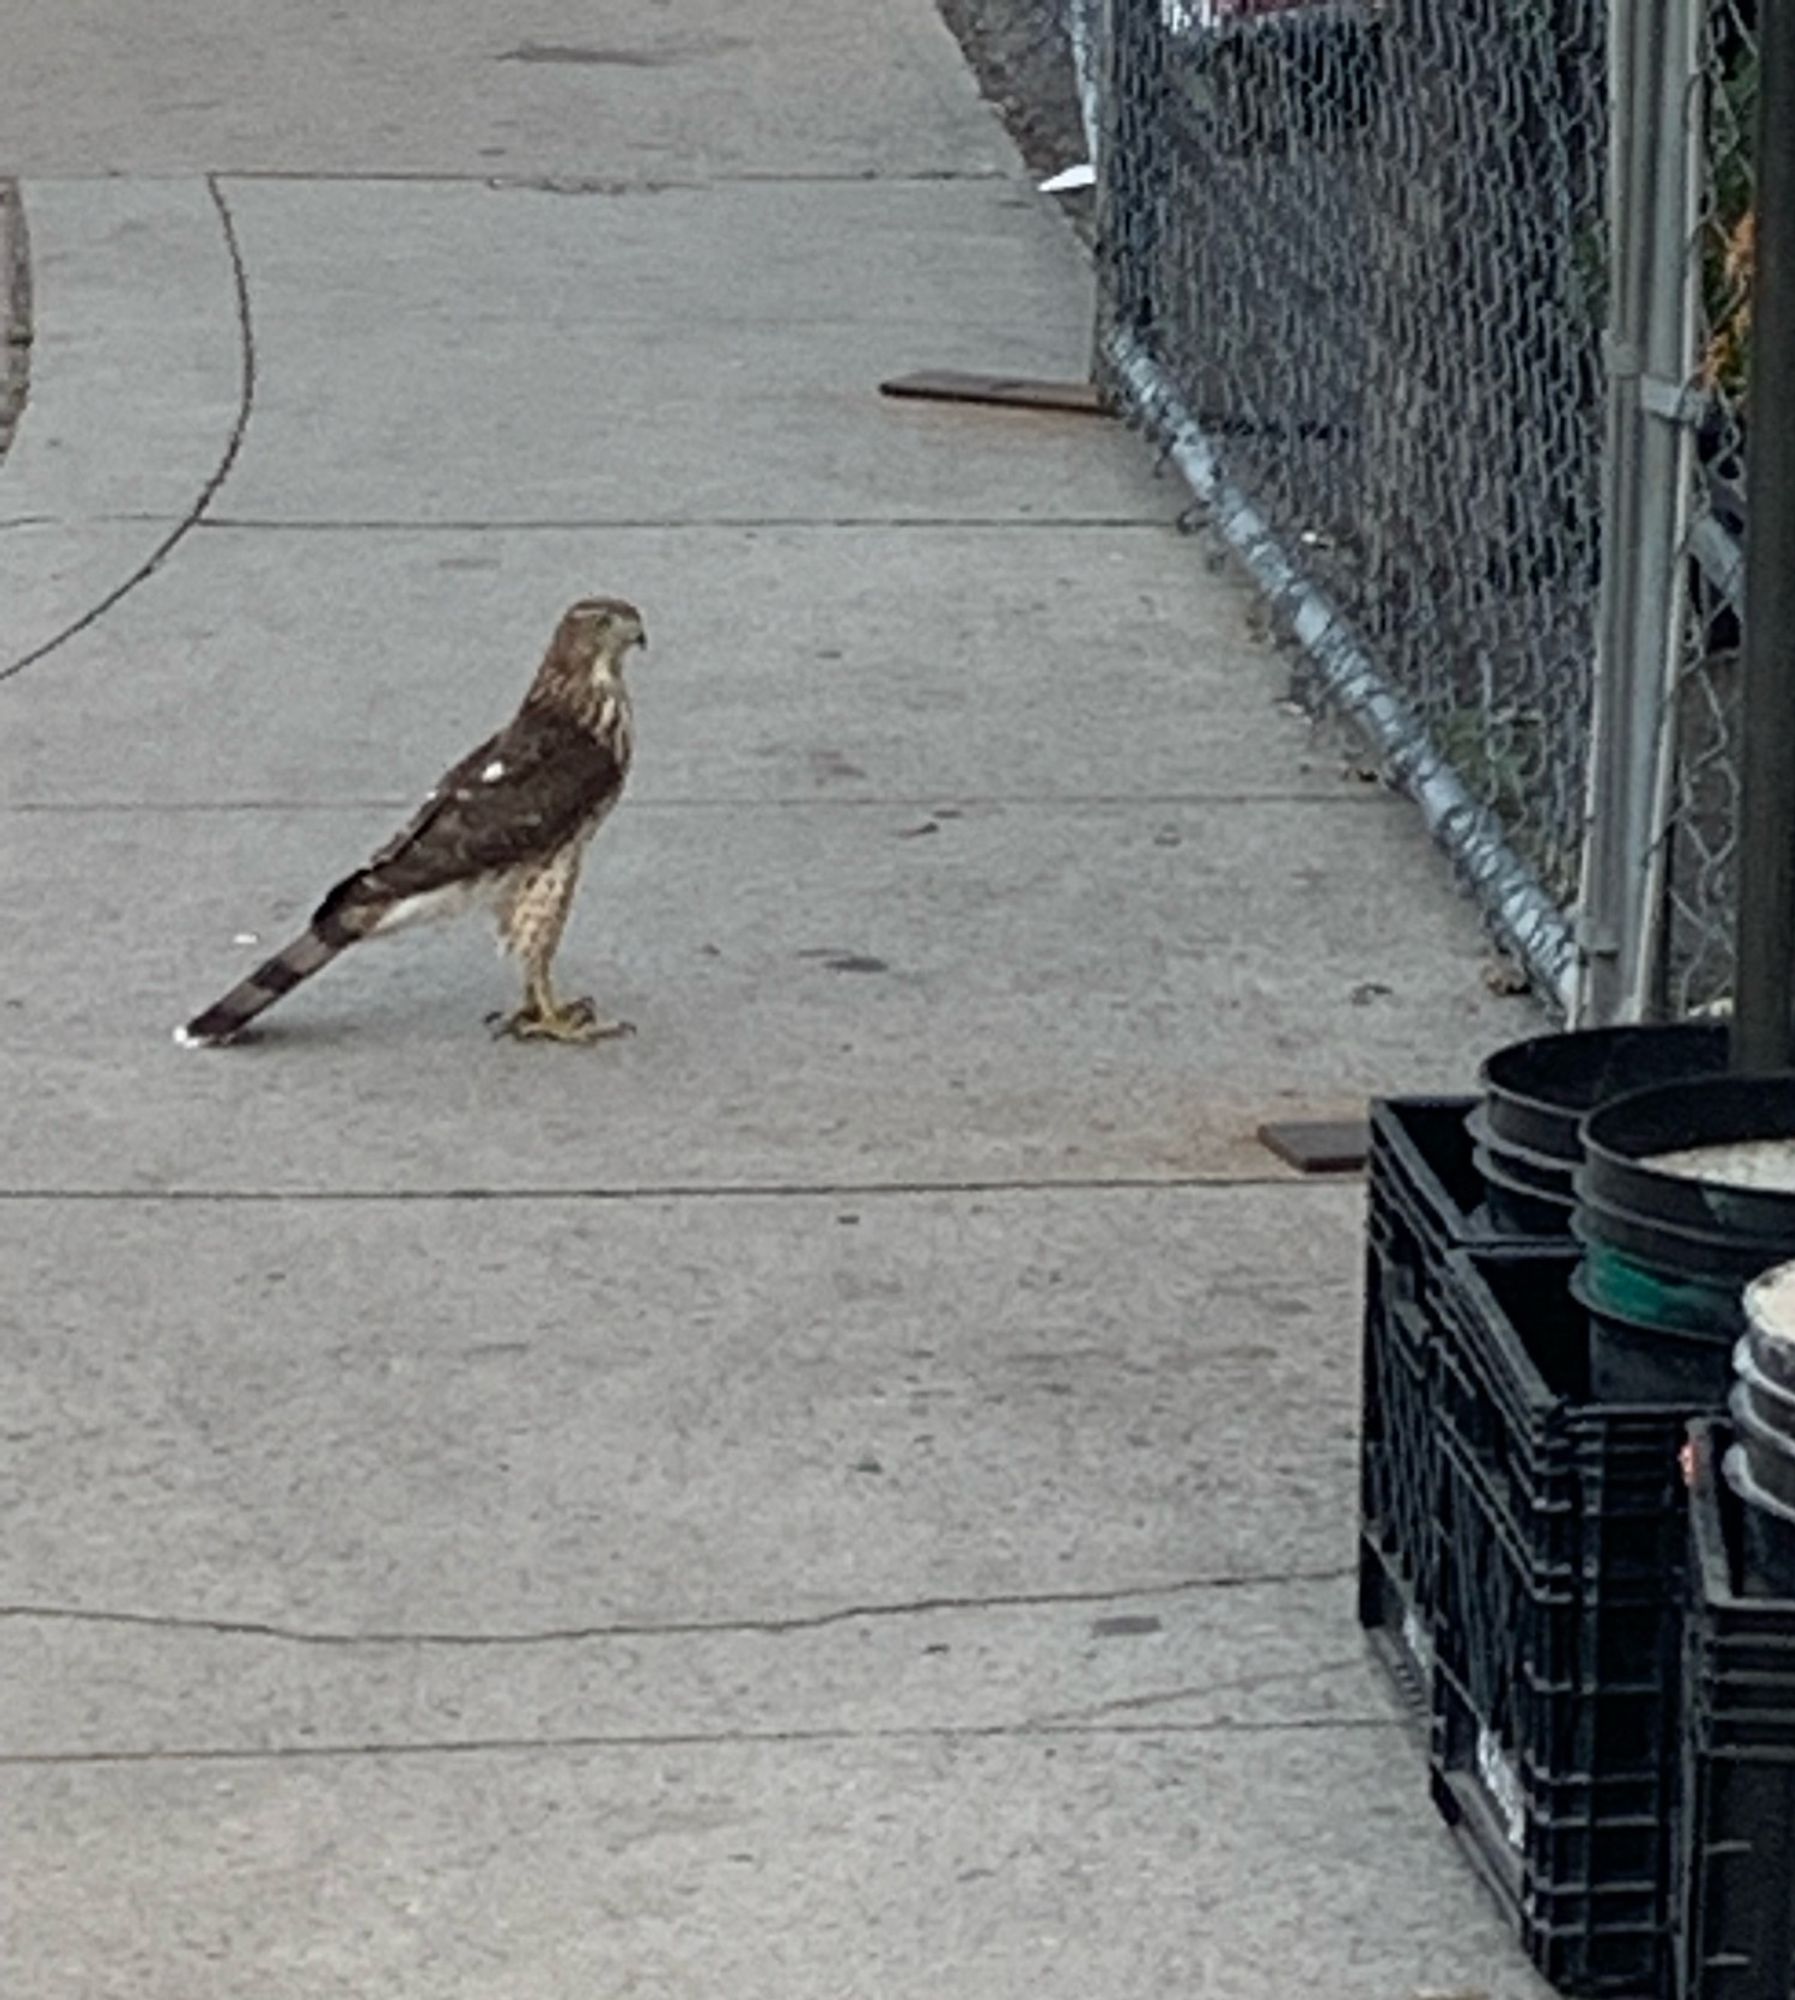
point(1538, 1092)
point(1520, 1163)
point(1520, 1206)
point(1640, 1361)
point(1666, 1257)
point(1723, 1262)
point(1527, 1130)
point(1768, 1527)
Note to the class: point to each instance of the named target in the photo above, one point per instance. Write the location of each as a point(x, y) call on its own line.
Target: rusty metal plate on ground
point(1320, 1146)
point(1021, 392)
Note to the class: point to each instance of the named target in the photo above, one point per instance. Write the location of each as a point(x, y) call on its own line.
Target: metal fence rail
point(1423, 329)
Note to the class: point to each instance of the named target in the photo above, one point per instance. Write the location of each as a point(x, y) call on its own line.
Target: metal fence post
point(1653, 198)
point(1132, 172)
point(1086, 30)
point(1763, 1017)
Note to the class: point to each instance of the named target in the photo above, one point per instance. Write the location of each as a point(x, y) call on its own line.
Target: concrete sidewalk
point(848, 1493)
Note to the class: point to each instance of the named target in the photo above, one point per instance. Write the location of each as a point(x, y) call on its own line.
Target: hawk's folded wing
point(518, 798)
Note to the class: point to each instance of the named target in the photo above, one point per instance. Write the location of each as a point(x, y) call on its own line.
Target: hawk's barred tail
point(310, 952)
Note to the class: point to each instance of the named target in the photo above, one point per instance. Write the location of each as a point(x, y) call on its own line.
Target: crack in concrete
point(671, 1628)
point(779, 802)
point(220, 473)
point(705, 1191)
point(695, 1740)
point(669, 524)
point(530, 524)
point(523, 183)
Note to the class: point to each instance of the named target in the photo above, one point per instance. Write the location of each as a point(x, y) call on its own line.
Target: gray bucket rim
point(1750, 1422)
point(1748, 1297)
point(1735, 1469)
point(1745, 1366)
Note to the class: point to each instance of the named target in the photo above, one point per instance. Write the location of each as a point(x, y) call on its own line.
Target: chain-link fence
point(1359, 265)
point(1363, 244)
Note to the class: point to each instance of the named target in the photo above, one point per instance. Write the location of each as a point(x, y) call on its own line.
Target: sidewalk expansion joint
point(698, 1739)
point(662, 524)
point(952, 803)
point(696, 1190)
point(623, 185)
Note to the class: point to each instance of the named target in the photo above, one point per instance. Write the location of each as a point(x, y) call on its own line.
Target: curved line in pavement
point(207, 493)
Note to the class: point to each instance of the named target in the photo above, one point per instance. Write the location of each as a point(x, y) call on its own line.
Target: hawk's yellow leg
point(531, 922)
point(543, 1018)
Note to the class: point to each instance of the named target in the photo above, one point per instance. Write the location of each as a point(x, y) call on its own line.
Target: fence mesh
point(1365, 243)
point(1703, 827)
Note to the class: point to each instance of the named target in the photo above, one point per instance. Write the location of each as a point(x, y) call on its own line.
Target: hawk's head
point(580, 671)
point(599, 628)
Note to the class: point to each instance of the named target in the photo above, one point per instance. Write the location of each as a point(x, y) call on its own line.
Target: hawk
point(505, 829)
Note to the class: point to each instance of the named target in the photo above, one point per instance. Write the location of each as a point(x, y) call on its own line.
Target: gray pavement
point(848, 1493)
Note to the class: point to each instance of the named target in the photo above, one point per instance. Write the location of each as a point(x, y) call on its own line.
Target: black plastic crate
point(1555, 1626)
point(1427, 1196)
point(1425, 1200)
point(1735, 1880)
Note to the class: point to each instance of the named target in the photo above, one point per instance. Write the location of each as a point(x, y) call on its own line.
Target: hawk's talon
point(575, 1021)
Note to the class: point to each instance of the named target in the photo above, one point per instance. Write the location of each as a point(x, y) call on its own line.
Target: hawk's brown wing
point(518, 798)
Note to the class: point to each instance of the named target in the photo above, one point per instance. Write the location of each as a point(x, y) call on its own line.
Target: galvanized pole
point(1764, 996)
point(1133, 173)
point(1653, 207)
point(1086, 33)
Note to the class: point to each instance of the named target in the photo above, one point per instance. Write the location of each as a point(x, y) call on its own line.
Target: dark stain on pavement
point(587, 56)
point(1128, 1625)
